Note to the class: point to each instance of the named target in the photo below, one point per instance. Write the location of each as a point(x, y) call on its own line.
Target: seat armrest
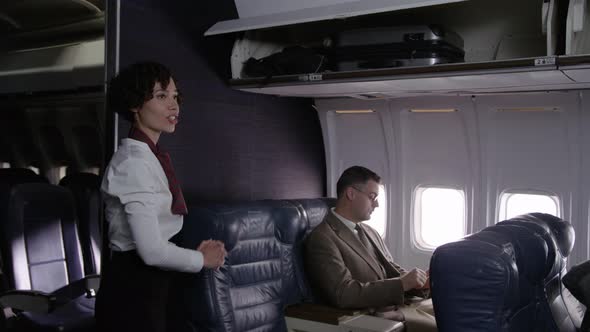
point(311, 317)
point(28, 300)
point(92, 284)
point(366, 323)
point(86, 286)
point(320, 313)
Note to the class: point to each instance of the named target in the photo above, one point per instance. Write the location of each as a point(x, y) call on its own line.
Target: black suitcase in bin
point(384, 47)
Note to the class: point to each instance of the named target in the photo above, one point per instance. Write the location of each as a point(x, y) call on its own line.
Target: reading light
point(354, 111)
point(433, 110)
point(529, 109)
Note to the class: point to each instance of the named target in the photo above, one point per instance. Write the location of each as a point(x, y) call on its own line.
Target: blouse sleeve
point(132, 182)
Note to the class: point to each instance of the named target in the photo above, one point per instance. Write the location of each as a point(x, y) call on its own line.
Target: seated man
point(349, 266)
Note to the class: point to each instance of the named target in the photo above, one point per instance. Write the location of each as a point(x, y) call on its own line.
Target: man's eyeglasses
point(371, 196)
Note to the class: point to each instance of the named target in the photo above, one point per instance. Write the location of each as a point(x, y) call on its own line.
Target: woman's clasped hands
point(213, 253)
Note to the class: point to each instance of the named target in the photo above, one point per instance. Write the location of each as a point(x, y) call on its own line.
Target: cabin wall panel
point(229, 145)
point(582, 247)
point(354, 139)
point(435, 152)
point(528, 150)
point(491, 144)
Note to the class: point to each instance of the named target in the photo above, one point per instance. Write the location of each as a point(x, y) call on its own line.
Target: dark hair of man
point(134, 85)
point(355, 175)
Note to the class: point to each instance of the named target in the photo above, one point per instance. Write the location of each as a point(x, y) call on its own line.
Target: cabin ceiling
point(27, 24)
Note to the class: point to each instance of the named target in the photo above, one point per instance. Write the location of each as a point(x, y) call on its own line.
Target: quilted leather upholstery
point(42, 253)
point(89, 209)
point(262, 272)
point(506, 277)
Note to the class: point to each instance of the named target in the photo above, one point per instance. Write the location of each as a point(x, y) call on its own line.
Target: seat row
point(506, 277)
point(50, 250)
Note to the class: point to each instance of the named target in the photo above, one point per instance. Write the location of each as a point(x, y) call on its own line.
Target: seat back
point(313, 212)
point(41, 249)
point(506, 277)
point(562, 309)
point(263, 271)
point(9, 177)
point(89, 211)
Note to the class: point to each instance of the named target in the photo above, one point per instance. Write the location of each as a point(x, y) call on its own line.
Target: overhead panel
point(258, 14)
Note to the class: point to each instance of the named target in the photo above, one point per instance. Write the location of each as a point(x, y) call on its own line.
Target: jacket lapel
point(391, 270)
point(353, 242)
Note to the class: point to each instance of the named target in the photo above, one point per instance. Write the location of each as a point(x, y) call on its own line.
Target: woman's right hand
point(213, 253)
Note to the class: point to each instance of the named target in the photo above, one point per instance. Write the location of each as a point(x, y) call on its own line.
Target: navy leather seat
point(43, 261)
point(506, 277)
point(89, 210)
point(263, 271)
point(9, 177)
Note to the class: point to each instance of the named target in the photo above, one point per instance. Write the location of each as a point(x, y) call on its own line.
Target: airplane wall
point(229, 145)
point(535, 143)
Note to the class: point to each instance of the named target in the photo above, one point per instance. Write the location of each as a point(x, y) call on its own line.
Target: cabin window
point(62, 170)
point(439, 216)
point(379, 215)
point(93, 170)
point(513, 204)
point(4, 165)
point(34, 169)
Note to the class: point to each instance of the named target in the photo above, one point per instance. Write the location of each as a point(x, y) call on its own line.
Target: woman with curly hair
point(144, 206)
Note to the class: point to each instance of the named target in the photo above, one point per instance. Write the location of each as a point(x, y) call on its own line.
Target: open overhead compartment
point(576, 68)
point(259, 14)
point(68, 67)
point(508, 46)
point(576, 61)
point(473, 78)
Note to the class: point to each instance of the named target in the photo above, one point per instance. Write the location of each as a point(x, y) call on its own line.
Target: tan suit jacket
point(344, 274)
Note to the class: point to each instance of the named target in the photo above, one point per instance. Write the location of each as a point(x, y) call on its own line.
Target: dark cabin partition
point(228, 145)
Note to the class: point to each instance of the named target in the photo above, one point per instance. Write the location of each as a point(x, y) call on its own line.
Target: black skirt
point(132, 296)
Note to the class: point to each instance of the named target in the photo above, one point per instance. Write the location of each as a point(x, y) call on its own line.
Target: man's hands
point(213, 253)
point(414, 278)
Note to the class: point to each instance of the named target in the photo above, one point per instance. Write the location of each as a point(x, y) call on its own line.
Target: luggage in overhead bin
point(384, 47)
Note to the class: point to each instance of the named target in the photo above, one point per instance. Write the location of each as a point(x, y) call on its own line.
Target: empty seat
point(563, 310)
point(506, 277)
point(9, 177)
point(43, 260)
point(89, 210)
point(263, 271)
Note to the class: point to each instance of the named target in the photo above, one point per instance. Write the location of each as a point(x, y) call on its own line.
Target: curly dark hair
point(355, 175)
point(133, 86)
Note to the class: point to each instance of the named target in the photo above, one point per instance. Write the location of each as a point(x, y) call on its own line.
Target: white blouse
point(137, 209)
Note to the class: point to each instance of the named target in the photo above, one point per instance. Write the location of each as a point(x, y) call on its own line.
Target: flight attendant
point(144, 206)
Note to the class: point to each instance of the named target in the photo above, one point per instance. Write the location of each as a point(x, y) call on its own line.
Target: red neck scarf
point(178, 204)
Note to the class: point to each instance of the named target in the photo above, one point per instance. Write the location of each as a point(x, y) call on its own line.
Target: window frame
point(416, 217)
point(502, 201)
point(382, 194)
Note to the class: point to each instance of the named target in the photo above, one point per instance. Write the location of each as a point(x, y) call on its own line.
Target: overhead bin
point(455, 79)
point(66, 67)
point(577, 38)
point(508, 46)
point(576, 68)
point(258, 14)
